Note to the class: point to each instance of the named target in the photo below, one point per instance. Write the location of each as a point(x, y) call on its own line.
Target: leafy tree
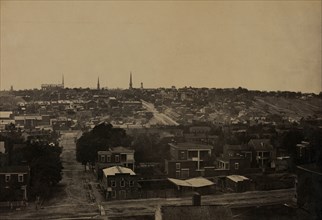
point(102, 137)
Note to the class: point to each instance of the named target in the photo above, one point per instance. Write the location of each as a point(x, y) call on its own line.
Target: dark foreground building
point(309, 189)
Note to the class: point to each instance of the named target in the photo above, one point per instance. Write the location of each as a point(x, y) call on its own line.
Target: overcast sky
point(265, 45)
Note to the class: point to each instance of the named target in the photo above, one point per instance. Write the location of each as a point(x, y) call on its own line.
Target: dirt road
point(75, 195)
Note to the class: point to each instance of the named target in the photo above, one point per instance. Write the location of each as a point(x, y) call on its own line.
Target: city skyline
point(265, 46)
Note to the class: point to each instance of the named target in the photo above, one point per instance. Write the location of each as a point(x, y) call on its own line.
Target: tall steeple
point(62, 81)
point(130, 84)
point(98, 84)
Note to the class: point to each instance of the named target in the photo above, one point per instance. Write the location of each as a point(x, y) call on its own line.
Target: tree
point(101, 137)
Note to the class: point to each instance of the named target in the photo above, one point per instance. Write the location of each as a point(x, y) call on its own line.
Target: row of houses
point(192, 159)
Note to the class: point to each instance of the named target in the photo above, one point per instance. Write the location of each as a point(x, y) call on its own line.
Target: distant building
point(263, 152)
point(28, 121)
point(235, 158)
point(53, 86)
point(119, 183)
point(237, 183)
point(6, 118)
point(117, 156)
point(199, 129)
point(304, 153)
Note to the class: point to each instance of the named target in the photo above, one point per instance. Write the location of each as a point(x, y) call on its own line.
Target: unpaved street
point(76, 195)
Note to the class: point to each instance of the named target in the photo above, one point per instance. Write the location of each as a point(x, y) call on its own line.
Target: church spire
point(98, 84)
point(63, 81)
point(130, 84)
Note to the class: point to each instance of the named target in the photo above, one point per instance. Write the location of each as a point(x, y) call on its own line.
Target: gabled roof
point(194, 182)
point(237, 178)
point(112, 171)
point(236, 147)
point(14, 169)
point(118, 149)
point(188, 145)
point(260, 144)
point(5, 114)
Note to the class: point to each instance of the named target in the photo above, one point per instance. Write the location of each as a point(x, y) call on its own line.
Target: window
point(236, 166)
point(113, 194)
point(108, 158)
point(182, 155)
point(185, 173)
point(177, 174)
point(117, 158)
point(103, 158)
point(178, 166)
point(113, 184)
point(8, 177)
point(122, 183)
point(131, 183)
point(20, 178)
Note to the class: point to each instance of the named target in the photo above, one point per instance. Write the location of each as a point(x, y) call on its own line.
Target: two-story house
point(119, 183)
point(235, 158)
point(263, 152)
point(187, 160)
point(117, 156)
point(14, 183)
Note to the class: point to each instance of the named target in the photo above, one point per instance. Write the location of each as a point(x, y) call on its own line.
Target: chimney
point(196, 199)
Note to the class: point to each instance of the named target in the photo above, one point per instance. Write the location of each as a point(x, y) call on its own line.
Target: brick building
point(117, 156)
point(187, 160)
point(119, 183)
point(14, 183)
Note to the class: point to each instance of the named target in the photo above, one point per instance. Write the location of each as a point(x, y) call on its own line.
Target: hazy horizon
point(258, 45)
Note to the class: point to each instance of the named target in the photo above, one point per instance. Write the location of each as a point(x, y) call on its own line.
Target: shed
point(237, 183)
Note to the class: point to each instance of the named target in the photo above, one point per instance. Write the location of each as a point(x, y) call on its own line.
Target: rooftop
point(14, 169)
point(261, 144)
point(194, 182)
point(112, 171)
point(188, 145)
point(237, 178)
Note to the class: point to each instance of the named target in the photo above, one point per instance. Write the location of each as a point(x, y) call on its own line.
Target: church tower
point(98, 84)
point(130, 84)
point(62, 81)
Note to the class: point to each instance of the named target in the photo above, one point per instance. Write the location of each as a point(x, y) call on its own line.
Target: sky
point(261, 45)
